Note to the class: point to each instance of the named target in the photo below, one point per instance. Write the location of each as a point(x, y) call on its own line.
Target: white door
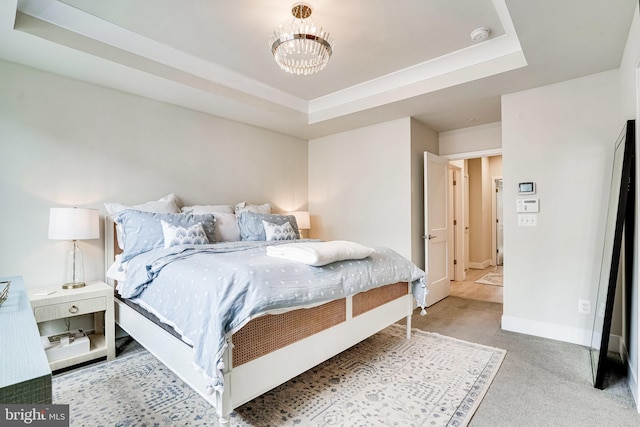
point(436, 226)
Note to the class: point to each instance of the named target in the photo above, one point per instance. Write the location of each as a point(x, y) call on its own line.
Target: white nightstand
point(96, 298)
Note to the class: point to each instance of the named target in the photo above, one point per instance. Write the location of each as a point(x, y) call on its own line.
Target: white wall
point(477, 255)
point(561, 137)
point(68, 143)
point(475, 139)
point(356, 188)
point(362, 185)
point(630, 94)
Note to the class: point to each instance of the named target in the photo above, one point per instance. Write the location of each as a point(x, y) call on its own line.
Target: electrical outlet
point(584, 306)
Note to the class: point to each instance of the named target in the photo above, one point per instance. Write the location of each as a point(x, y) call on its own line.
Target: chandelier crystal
point(301, 48)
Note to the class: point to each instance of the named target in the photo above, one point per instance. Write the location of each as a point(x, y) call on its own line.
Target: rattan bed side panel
point(376, 297)
point(268, 333)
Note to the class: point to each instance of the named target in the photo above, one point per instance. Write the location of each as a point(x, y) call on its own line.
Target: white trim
point(547, 330)
point(634, 386)
point(110, 43)
point(480, 265)
point(83, 23)
point(473, 154)
point(494, 219)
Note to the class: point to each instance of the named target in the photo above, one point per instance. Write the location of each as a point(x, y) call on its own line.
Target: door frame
point(494, 219)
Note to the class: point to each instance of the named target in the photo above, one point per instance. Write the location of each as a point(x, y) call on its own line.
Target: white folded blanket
point(320, 253)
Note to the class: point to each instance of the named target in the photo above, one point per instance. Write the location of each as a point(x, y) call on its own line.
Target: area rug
point(386, 380)
point(494, 279)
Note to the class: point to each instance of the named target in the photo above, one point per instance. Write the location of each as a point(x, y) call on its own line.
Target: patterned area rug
point(494, 279)
point(386, 380)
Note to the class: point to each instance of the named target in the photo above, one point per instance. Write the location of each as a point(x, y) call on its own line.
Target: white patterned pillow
point(279, 232)
point(176, 235)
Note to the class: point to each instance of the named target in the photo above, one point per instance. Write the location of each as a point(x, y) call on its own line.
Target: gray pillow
point(251, 228)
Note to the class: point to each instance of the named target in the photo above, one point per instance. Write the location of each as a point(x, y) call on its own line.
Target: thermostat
point(528, 205)
point(527, 188)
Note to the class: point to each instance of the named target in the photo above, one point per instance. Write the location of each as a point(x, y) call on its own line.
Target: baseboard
point(616, 346)
point(632, 375)
point(624, 352)
point(480, 265)
point(632, 381)
point(547, 330)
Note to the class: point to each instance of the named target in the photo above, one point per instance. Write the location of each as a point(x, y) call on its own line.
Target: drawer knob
point(73, 309)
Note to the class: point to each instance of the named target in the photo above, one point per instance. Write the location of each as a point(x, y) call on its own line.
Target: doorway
point(480, 250)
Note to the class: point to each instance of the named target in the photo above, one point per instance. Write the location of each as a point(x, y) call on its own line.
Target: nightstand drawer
point(68, 309)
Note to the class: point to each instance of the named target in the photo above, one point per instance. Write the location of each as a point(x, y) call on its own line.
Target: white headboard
point(111, 248)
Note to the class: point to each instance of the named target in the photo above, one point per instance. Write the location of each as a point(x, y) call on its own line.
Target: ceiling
point(391, 59)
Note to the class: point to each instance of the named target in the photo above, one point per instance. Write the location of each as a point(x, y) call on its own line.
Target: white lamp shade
point(302, 219)
point(74, 224)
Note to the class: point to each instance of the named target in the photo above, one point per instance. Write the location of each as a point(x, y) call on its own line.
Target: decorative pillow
point(167, 204)
point(278, 232)
point(142, 231)
point(251, 227)
point(226, 227)
point(174, 235)
point(247, 207)
point(203, 209)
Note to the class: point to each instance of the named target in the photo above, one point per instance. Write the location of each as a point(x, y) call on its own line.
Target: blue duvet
point(207, 292)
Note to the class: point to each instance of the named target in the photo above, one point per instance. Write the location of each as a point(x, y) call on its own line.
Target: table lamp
point(73, 224)
point(303, 220)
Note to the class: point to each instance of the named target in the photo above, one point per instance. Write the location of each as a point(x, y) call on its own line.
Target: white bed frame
point(251, 379)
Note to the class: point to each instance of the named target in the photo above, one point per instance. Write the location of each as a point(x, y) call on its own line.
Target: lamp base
point(73, 285)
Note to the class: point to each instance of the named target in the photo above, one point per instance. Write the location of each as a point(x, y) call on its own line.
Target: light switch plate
point(527, 220)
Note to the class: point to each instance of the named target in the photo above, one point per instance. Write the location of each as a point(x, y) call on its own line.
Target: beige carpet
point(385, 380)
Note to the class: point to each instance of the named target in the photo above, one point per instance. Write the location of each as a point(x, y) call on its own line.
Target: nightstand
point(95, 298)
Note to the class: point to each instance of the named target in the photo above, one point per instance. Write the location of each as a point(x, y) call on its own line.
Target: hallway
point(471, 290)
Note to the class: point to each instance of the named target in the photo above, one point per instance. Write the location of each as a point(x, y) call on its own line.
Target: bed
point(265, 347)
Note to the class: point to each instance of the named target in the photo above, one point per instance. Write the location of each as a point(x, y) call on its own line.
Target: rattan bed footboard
point(271, 332)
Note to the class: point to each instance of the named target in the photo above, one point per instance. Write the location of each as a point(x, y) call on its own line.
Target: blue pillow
point(251, 228)
point(143, 230)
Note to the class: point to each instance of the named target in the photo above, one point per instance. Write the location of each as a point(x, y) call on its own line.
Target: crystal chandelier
point(301, 48)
